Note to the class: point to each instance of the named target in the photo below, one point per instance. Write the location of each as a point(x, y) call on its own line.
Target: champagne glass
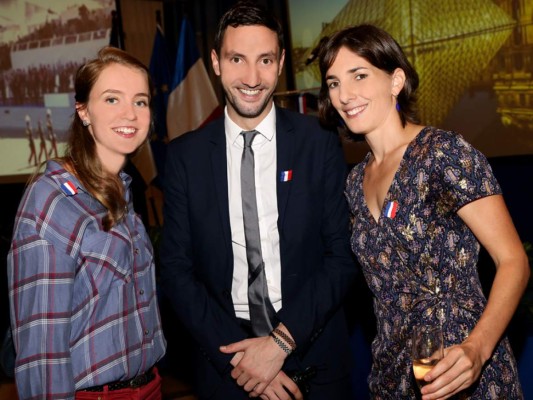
point(428, 349)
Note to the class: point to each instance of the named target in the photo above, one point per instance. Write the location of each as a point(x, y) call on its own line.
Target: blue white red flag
point(392, 209)
point(192, 101)
point(286, 176)
point(69, 188)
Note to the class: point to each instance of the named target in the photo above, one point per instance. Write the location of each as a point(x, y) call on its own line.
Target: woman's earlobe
point(82, 114)
point(398, 81)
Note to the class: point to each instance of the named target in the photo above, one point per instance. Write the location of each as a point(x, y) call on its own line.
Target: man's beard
point(241, 111)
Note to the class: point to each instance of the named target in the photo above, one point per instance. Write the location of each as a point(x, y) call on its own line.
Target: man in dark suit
point(304, 251)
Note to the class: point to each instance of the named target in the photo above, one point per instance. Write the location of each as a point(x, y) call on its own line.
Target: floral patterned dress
point(419, 260)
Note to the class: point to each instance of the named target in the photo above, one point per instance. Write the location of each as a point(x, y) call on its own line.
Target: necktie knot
point(249, 137)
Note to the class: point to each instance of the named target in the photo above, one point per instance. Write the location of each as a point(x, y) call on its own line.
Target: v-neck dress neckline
point(386, 199)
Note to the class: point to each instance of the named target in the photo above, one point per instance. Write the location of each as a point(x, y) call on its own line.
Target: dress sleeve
point(464, 172)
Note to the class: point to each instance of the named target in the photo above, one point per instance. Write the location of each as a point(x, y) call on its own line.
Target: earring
point(397, 106)
point(86, 123)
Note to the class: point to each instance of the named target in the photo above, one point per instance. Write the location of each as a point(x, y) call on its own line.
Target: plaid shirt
point(82, 301)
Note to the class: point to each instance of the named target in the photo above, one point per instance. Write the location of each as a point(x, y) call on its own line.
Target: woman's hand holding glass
point(428, 349)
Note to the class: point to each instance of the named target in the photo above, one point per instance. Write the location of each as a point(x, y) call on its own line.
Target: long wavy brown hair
point(80, 155)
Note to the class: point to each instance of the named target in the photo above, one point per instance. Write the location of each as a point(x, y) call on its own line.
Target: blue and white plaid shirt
point(82, 301)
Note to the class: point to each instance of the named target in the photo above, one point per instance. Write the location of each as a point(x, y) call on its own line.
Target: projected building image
point(41, 47)
point(473, 59)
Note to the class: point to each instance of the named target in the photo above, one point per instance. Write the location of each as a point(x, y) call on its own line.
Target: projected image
point(473, 59)
point(41, 46)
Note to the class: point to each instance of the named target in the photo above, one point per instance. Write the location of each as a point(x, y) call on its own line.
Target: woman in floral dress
point(423, 200)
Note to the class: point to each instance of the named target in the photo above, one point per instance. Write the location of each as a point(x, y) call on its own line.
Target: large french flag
point(192, 101)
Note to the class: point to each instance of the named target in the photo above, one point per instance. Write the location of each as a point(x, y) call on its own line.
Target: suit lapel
point(220, 177)
point(285, 154)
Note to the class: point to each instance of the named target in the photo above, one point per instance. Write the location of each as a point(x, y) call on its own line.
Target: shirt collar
point(57, 172)
point(267, 127)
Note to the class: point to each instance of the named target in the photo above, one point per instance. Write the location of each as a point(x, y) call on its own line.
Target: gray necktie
point(261, 309)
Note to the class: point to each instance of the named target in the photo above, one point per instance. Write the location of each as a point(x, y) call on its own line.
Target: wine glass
point(428, 349)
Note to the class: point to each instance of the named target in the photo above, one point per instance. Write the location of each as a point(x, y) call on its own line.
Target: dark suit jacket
point(316, 263)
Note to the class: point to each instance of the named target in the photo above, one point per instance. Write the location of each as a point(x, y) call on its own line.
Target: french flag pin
point(391, 209)
point(286, 176)
point(69, 188)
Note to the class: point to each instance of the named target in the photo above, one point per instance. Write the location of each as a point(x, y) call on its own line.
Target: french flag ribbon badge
point(391, 209)
point(69, 188)
point(286, 176)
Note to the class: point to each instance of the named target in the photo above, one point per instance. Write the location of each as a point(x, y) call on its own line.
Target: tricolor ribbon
point(69, 188)
point(286, 176)
point(391, 209)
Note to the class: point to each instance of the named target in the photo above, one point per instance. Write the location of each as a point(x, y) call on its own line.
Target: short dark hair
point(246, 13)
point(381, 50)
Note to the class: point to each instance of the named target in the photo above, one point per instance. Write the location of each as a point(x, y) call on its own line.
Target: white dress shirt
point(264, 147)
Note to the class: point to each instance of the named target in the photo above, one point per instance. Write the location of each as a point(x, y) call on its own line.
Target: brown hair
point(80, 156)
point(246, 13)
point(381, 50)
